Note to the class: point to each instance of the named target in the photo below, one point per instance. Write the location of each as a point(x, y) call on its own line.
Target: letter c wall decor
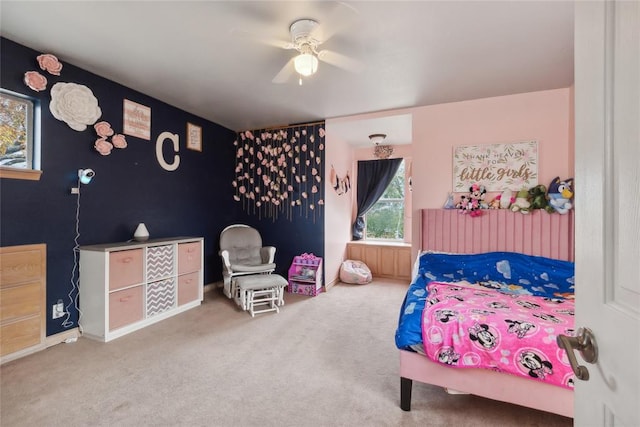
point(176, 158)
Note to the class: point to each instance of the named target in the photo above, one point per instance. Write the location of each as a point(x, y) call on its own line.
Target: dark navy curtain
point(373, 178)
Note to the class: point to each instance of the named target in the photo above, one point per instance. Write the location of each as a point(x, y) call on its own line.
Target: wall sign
point(498, 166)
point(137, 120)
point(194, 137)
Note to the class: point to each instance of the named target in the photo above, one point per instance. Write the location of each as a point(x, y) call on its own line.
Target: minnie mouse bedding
point(497, 310)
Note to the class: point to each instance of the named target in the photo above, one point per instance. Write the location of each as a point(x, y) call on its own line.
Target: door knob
point(585, 343)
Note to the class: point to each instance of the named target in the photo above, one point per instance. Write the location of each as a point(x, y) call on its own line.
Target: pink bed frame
point(538, 233)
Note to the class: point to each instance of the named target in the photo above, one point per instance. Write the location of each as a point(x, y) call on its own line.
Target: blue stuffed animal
point(560, 195)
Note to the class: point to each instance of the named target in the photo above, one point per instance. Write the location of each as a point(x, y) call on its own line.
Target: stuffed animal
point(560, 195)
point(474, 201)
point(449, 203)
point(495, 202)
point(521, 204)
point(506, 199)
point(538, 197)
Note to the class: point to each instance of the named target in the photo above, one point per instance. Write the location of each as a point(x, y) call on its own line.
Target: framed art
point(194, 137)
point(136, 120)
point(498, 167)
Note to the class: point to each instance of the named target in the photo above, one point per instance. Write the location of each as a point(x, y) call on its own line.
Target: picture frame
point(194, 137)
point(497, 167)
point(136, 120)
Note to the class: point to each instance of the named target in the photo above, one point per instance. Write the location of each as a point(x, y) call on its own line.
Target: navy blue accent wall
point(129, 187)
point(279, 183)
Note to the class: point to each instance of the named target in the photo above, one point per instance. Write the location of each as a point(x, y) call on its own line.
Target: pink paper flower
point(103, 129)
point(119, 141)
point(35, 80)
point(49, 63)
point(103, 146)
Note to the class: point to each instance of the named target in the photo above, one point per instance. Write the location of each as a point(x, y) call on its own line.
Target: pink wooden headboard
point(537, 233)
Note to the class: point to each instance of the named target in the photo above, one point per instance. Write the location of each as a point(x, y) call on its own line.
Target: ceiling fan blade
point(340, 61)
point(285, 73)
point(341, 16)
point(282, 44)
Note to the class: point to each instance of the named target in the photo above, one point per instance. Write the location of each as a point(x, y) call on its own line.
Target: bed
point(462, 257)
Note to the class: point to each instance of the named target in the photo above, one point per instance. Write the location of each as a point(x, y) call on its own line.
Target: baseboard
point(66, 336)
point(332, 283)
point(212, 286)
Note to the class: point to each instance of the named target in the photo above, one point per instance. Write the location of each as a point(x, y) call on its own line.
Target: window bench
point(390, 260)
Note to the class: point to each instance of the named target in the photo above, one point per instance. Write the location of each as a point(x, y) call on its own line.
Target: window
point(385, 220)
point(19, 154)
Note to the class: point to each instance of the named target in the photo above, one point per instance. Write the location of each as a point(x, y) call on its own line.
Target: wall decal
point(136, 120)
point(279, 171)
point(497, 167)
point(35, 81)
point(176, 147)
point(49, 63)
point(75, 105)
point(102, 145)
point(194, 137)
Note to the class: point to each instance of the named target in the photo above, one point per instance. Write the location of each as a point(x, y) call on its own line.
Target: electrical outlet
point(57, 310)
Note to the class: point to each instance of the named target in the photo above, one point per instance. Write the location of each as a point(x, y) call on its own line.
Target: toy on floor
point(560, 195)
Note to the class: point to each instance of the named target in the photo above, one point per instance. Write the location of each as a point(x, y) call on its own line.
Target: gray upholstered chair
point(242, 253)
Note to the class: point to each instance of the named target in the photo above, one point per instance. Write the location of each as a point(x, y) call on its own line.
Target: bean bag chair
point(355, 272)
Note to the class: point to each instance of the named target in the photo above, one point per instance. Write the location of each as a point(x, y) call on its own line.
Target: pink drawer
point(125, 268)
point(125, 307)
point(189, 255)
point(188, 288)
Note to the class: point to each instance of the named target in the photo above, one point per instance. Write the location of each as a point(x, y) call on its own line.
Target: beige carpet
point(323, 361)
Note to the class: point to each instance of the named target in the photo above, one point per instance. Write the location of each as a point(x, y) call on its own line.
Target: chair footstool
point(260, 290)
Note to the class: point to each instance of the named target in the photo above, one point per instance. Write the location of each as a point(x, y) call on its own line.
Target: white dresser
point(129, 285)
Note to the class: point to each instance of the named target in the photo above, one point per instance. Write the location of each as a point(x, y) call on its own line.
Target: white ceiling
point(200, 55)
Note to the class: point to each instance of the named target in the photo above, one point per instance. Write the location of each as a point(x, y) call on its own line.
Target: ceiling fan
point(306, 37)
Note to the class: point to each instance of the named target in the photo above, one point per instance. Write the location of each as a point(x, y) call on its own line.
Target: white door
point(607, 182)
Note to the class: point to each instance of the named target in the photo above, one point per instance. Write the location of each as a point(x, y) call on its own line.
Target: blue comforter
point(506, 272)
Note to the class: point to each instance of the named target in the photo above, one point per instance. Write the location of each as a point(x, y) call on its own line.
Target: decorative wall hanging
point(194, 137)
point(340, 185)
point(280, 171)
point(75, 105)
point(49, 63)
point(104, 131)
point(35, 81)
point(136, 120)
point(497, 167)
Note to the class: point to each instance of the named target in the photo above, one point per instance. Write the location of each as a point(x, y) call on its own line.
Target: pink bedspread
point(471, 326)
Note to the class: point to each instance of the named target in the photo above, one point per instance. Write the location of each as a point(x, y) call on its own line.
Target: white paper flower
point(74, 104)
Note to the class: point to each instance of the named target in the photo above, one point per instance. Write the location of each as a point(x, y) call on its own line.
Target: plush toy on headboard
point(560, 194)
point(474, 201)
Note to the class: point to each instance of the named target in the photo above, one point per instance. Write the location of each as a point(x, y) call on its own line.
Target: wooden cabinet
point(127, 286)
point(387, 260)
point(22, 300)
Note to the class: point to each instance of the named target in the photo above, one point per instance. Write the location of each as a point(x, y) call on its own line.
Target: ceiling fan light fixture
point(306, 64)
point(377, 138)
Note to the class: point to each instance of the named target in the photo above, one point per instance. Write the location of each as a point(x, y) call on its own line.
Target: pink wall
point(545, 116)
point(337, 214)
point(542, 116)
